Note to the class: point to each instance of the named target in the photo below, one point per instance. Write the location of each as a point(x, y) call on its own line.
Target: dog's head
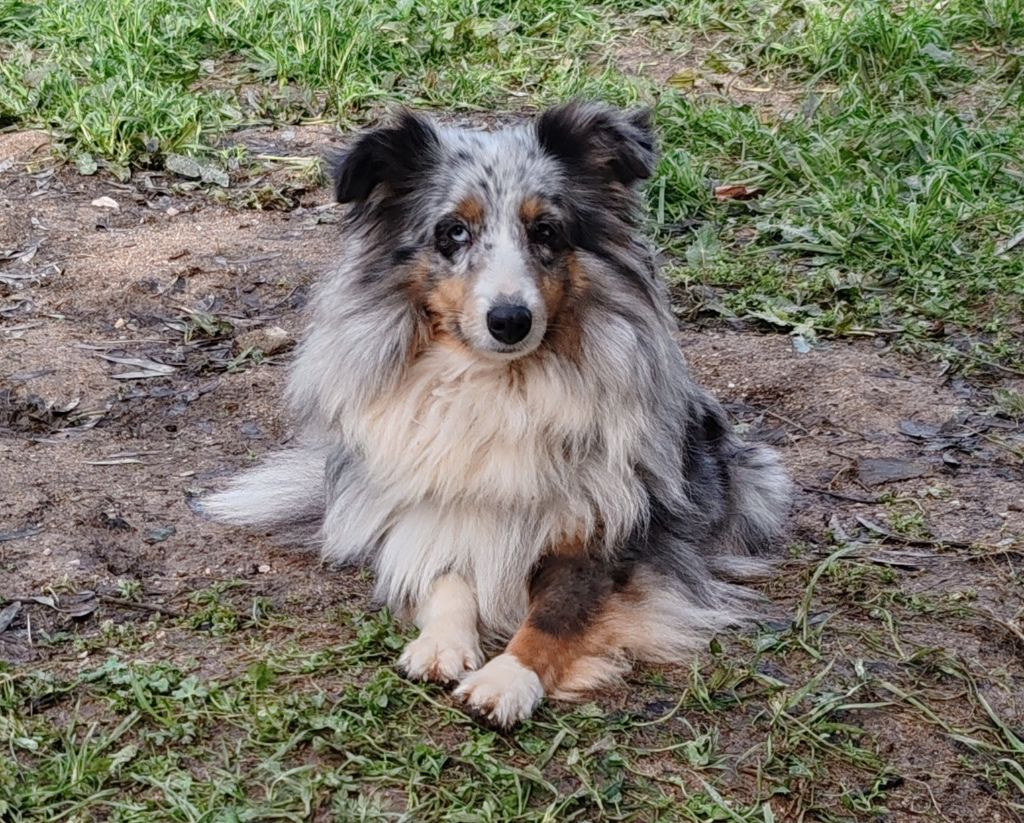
point(490, 232)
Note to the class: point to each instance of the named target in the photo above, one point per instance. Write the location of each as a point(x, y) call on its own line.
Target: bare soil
point(97, 473)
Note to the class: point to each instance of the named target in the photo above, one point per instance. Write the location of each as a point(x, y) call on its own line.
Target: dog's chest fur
point(480, 469)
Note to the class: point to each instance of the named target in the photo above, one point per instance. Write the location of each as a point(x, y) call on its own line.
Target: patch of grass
point(259, 715)
point(890, 173)
point(1009, 403)
point(877, 217)
point(888, 188)
point(337, 732)
point(130, 82)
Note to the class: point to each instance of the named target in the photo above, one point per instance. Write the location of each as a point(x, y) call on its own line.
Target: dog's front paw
point(440, 660)
point(502, 693)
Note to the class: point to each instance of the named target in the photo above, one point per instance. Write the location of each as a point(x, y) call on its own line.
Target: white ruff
point(476, 471)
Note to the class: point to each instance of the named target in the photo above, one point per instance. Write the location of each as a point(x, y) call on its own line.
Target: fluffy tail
point(760, 494)
point(286, 490)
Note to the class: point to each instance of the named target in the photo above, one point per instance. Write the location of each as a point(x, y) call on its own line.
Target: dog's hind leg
point(449, 642)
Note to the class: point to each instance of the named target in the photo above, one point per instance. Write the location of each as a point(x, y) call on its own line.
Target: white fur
point(448, 645)
point(507, 278)
point(504, 691)
point(287, 486)
point(467, 472)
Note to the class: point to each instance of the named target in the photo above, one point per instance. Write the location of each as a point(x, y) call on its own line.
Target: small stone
point(159, 535)
point(263, 568)
point(269, 339)
point(182, 166)
point(119, 323)
point(106, 203)
point(251, 431)
point(172, 212)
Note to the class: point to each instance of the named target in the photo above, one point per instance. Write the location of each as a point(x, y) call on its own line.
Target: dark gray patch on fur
point(567, 593)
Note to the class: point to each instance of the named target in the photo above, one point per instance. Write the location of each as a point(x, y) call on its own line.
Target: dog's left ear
point(598, 140)
point(392, 156)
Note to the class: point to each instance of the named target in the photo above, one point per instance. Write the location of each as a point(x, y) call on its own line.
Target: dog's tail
point(287, 490)
point(760, 495)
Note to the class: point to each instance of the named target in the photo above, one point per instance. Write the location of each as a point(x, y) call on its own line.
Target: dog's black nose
point(509, 324)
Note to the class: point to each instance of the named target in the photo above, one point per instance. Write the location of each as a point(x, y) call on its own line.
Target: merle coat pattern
point(496, 417)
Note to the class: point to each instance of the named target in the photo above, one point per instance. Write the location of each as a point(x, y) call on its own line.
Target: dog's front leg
point(569, 598)
point(449, 643)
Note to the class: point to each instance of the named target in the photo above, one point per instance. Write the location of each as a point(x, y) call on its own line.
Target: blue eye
point(459, 234)
point(450, 235)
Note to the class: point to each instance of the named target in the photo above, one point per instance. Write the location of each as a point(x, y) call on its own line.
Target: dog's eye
point(458, 234)
point(451, 235)
point(545, 234)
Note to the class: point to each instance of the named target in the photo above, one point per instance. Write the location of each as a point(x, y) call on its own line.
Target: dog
point(496, 418)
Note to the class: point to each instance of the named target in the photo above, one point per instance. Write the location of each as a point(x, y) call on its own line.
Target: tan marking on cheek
point(445, 302)
point(579, 282)
point(563, 299)
point(552, 292)
point(416, 283)
point(416, 287)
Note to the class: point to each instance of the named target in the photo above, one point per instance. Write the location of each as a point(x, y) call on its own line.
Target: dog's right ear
point(598, 140)
point(394, 155)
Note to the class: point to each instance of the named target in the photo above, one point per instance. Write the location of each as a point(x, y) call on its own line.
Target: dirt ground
point(98, 471)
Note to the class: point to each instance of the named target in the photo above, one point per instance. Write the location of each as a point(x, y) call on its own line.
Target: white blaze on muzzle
point(507, 300)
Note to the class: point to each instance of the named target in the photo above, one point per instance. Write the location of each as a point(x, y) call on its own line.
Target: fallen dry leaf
point(80, 604)
point(683, 79)
point(149, 368)
point(737, 192)
point(8, 613)
point(875, 471)
point(917, 430)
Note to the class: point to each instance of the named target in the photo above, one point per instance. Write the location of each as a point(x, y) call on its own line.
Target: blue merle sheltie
point(497, 419)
